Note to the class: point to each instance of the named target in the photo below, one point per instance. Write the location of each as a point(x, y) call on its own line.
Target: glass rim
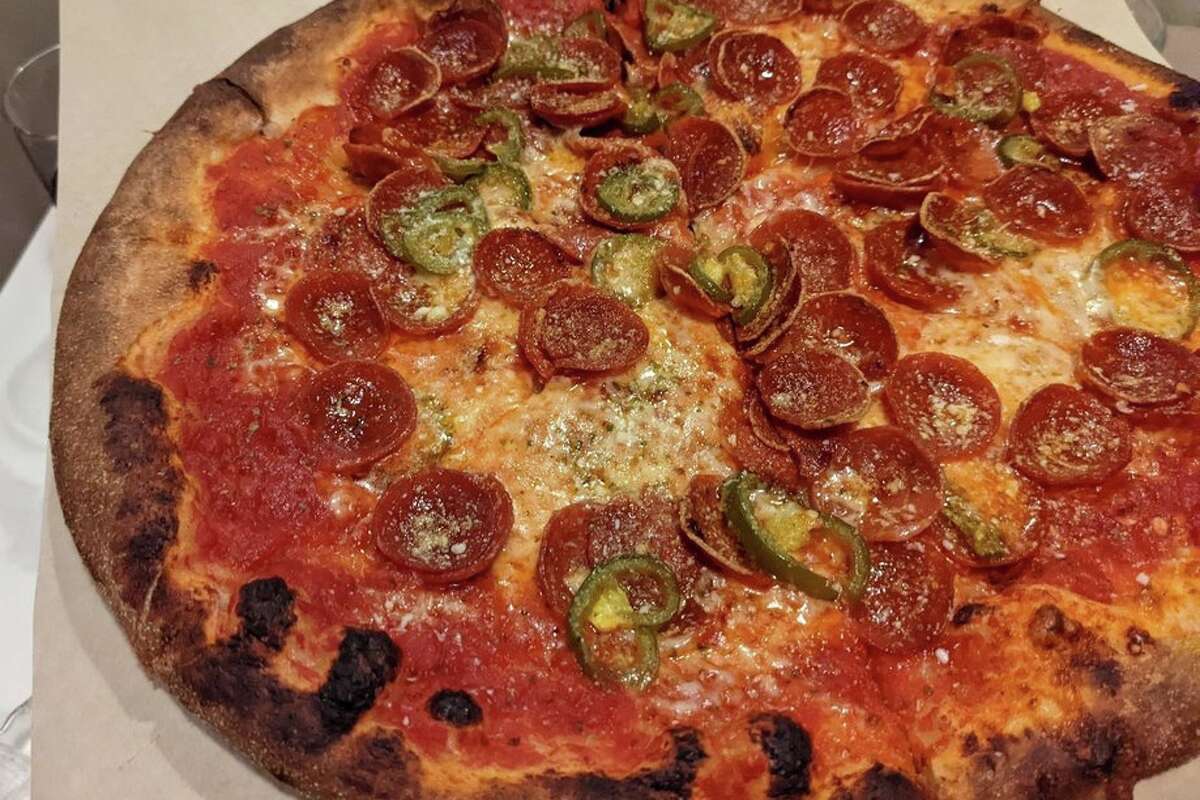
point(21, 68)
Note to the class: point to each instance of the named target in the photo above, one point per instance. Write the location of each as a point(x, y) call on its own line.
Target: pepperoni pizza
point(669, 399)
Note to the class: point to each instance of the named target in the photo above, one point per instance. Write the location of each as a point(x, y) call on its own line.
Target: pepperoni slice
point(1041, 203)
point(581, 328)
point(967, 151)
point(1166, 213)
point(1135, 147)
point(563, 561)
point(443, 524)
point(753, 67)
point(1015, 42)
point(593, 60)
point(480, 95)
point(571, 106)
point(872, 84)
point(1062, 436)
point(345, 244)
point(578, 239)
point(880, 480)
point(1138, 367)
point(813, 389)
point(355, 413)
point(400, 81)
point(400, 191)
point(710, 158)
point(517, 264)
point(681, 287)
point(945, 403)
point(820, 253)
point(908, 597)
point(883, 26)
point(822, 123)
point(702, 518)
point(600, 166)
point(900, 181)
point(896, 264)
point(463, 50)
point(335, 317)
point(827, 6)
point(753, 12)
point(427, 305)
point(900, 136)
point(485, 12)
point(442, 127)
point(1062, 120)
point(848, 325)
point(750, 452)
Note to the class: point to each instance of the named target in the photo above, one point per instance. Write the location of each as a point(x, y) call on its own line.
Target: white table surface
point(24, 415)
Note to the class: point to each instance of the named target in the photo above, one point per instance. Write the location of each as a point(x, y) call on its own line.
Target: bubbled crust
point(122, 492)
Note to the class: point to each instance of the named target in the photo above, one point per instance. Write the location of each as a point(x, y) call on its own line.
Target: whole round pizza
point(657, 400)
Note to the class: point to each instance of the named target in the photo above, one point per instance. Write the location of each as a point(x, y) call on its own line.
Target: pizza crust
point(122, 491)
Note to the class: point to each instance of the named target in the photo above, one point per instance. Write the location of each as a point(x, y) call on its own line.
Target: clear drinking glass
point(31, 108)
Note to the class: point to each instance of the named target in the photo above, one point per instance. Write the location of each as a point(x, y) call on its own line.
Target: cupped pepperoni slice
point(335, 316)
point(702, 518)
point(373, 162)
point(445, 525)
point(1014, 41)
point(485, 12)
point(821, 254)
point(966, 236)
point(967, 151)
point(908, 598)
point(580, 328)
point(1138, 367)
point(1135, 147)
point(575, 106)
point(753, 12)
point(463, 50)
point(605, 163)
point(750, 452)
point(344, 243)
point(754, 68)
point(441, 126)
point(900, 181)
point(400, 81)
point(813, 389)
point(1062, 436)
point(563, 563)
point(880, 480)
point(400, 191)
point(680, 286)
point(1062, 120)
point(577, 239)
point(872, 84)
point(848, 325)
point(1166, 213)
point(517, 264)
point(900, 136)
point(710, 158)
point(823, 123)
point(643, 525)
point(591, 61)
point(945, 403)
point(1042, 203)
point(883, 26)
point(355, 413)
point(896, 263)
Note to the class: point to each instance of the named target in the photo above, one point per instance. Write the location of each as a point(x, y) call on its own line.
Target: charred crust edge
point(265, 609)
point(788, 749)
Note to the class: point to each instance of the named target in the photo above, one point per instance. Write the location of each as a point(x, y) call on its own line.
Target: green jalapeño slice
point(1022, 148)
point(985, 88)
point(513, 144)
point(773, 525)
point(672, 26)
point(625, 266)
point(443, 242)
point(641, 192)
point(738, 277)
point(614, 619)
point(503, 184)
point(1148, 286)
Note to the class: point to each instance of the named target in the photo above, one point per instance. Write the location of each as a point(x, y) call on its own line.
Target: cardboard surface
point(101, 729)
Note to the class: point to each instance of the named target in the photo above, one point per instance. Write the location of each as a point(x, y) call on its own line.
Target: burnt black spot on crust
point(200, 273)
point(265, 608)
point(454, 707)
point(881, 783)
point(672, 781)
point(235, 676)
point(366, 662)
point(1186, 96)
point(967, 612)
point(136, 444)
point(1105, 673)
point(1050, 628)
point(788, 748)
